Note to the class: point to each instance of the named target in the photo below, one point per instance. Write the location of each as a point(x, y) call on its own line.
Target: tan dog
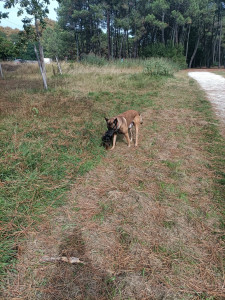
point(123, 124)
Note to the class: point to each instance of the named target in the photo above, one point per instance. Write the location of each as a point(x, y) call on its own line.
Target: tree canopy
point(189, 31)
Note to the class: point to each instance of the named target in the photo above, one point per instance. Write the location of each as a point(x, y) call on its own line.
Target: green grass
point(36, 172)
point(43, 150)
point(215, 146)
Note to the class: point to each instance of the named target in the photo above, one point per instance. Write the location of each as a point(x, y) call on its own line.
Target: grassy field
point(147, 221)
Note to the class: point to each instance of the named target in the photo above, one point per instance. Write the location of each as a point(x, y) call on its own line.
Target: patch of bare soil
point(143, 222)
point(214, 86)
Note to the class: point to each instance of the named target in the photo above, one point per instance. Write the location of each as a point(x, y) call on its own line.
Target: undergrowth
point(160, 67)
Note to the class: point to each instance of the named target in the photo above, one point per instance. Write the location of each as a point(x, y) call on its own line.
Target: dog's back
point(130, 116)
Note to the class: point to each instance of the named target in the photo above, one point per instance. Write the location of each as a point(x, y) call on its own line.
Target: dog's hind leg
point(127, 138)
point(130, 134)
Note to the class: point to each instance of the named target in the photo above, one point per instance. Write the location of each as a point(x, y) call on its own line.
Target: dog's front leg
point(136, 133)
point(114, 141)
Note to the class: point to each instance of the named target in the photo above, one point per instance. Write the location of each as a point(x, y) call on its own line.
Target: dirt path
point(143, 221)
point(214, 85)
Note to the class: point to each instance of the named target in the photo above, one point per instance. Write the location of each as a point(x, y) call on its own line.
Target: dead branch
point(71, 260)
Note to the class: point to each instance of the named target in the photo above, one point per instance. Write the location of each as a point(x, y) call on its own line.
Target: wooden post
point(53, 69)
point(1, 71)
point(58, 65)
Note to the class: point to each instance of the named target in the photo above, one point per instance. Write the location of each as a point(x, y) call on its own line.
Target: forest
point(191, 32)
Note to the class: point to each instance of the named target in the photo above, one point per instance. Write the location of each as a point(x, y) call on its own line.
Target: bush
point(173, 52)
point(93, 59)
point(160, 66)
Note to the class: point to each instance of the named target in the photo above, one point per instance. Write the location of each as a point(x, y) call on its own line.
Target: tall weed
point(160, 67)
point(170, 51)
point(92, 59)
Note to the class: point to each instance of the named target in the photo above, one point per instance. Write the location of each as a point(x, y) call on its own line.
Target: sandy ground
point(214, 85)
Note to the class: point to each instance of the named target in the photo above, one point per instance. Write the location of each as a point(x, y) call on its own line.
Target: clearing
point(146, 221)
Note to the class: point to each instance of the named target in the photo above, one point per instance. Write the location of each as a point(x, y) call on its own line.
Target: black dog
point(107, 138)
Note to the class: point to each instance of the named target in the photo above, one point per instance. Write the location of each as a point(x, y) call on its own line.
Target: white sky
point(16, 22)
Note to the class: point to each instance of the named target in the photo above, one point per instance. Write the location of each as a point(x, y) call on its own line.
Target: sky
point(16, 22)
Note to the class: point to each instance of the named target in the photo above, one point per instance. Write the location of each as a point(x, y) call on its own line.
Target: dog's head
point(112, 123)
point(112, 129)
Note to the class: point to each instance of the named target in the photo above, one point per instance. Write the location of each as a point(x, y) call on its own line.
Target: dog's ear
point(115, 121)
point(106, 119)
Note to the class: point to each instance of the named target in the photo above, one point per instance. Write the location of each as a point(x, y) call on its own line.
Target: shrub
point(173, 52)
point(93, 59)
point(160, 66)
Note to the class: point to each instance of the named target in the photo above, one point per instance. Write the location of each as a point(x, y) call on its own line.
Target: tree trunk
point(112, 43)
point(135, 49)
point(121, 45)
point(211, 48)
point(187, 45)
point(108, 34)
point(43, 74)
point(77, 45)
point(214, 51)
point(99, 43)
point(163, 30)
point(1, 73)
point(176, 34)
point(195, 50)
point(117, 42)
point(219, 46)
point(128, 48)
point(41, 53)
point(172, 36)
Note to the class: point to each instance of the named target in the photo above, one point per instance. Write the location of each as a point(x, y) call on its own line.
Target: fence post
point(1, 71)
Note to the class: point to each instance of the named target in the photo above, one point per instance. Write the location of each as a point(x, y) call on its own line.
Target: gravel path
point(214, 85)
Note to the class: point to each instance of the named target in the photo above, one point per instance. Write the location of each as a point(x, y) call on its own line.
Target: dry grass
point(145, 220)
